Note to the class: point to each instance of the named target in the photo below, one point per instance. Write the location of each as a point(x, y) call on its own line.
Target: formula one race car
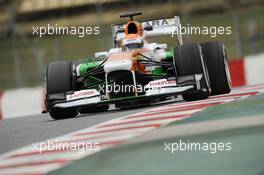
point(136, 72)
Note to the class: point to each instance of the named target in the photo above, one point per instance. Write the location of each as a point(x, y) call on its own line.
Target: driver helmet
point(132, 41)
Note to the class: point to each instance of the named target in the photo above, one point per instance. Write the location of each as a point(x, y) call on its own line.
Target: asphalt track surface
point(22, 131)
point(109, 129)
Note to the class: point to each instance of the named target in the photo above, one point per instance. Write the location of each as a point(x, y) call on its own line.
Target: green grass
point(242, 108)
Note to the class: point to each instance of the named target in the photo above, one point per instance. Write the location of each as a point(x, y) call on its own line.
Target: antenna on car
point(130, 15)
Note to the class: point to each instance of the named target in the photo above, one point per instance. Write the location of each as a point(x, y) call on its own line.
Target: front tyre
point(59, 79)
point(215, 56)
point(189, 61)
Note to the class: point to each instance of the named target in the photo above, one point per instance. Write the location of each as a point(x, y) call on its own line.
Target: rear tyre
point(216, 59)
point(85, 110)
point(59, 79)
point(189, 61)
point(133, 104)
point(61, 113)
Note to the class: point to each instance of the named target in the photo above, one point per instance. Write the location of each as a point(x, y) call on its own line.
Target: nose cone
point(118, 65)
point(119, 61)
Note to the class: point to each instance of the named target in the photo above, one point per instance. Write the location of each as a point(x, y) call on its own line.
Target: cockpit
point(131, 42)
point(133, 46)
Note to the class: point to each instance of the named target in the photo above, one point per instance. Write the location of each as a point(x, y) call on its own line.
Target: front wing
point(91, 97)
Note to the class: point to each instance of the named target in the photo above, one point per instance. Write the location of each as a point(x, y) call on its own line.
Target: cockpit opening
point(132, 46)
point(132, 28)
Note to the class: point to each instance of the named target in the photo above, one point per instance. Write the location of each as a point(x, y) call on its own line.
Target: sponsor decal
point(161, 22)
point(154, 23)
point(82, 94)
point(161, 83)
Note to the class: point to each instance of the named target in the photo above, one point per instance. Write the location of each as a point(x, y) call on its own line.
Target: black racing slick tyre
point(85, 110)
point(189, 61)
point(62, 113)
point(59, 79)
point(215, 56)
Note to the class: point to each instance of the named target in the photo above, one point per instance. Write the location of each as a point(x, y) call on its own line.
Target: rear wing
point(161, 27)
